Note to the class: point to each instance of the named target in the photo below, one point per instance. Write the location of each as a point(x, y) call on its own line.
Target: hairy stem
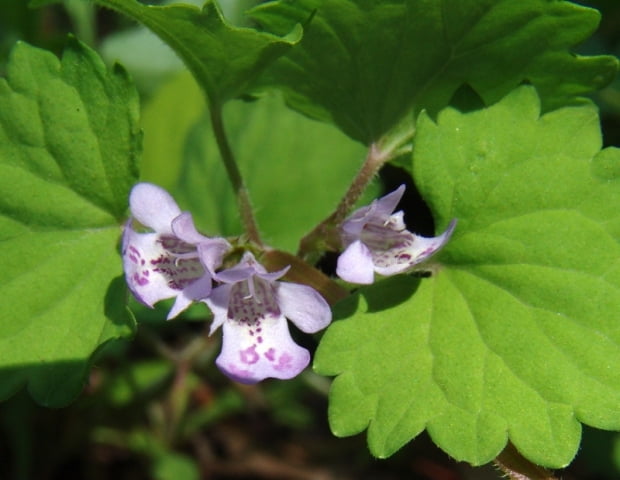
point(234, 175)
point(516, 467)
point(323, 236)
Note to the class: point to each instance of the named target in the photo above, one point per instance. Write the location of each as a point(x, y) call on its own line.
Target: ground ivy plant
point(496, 330)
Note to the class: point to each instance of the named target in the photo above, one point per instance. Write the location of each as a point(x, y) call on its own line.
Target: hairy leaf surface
point(69, 142)
point(516, 335)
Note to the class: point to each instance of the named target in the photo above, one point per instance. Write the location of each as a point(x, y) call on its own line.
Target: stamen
point(251, 289)
point(183, 256)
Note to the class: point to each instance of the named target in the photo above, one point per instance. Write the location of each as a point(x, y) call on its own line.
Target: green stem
point(82, 16)
point(234, 175)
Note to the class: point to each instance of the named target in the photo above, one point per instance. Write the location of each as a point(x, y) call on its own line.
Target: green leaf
point(295, 168)
point(223, 58)
point(69, 142)
point(516, 336)
point(364, 64)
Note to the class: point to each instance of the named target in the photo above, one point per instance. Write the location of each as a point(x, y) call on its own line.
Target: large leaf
point(68, 147)
point(516, 336)
point(223, 58)
point(363, 64)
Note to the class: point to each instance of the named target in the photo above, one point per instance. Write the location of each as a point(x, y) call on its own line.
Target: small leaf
point(69, 142)
point(516, 336)
point(223, 58)
point(364, 64)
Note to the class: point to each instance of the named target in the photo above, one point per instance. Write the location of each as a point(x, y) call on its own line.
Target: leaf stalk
point(324, 237)
point(234, 174)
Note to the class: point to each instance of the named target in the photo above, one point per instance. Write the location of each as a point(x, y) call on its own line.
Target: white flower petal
point(355, 264)
point(401, 259)
point(252, 352)
point(153, 207)
point(140, 250)
point(153, 272)
point(303, 306)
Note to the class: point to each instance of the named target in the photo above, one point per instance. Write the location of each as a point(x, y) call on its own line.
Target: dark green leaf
point(364, 64)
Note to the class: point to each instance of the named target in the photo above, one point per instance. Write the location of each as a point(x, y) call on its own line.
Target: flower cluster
point(175, 261)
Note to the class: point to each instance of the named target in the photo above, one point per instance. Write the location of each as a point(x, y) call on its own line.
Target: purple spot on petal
point(270, 354)
point(249, 355)
point(284, 362)
point(141, 281)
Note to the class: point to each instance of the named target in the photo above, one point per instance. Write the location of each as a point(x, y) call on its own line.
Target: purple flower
point(165, 263)
point(376, 240)
point(252, 308)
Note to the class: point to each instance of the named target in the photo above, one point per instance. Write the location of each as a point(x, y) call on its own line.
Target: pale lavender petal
point(303, 306)
point(141, 252)
point(218, 304)
point(354, 224)
point(211, 253)
point(153, 207)
point(195, 291)
point(243, 270)
point(253, 352)
point(421, 249)
point(429, 246)
point(183, 227)
point(355, 264)
point(273, 276)
point(181, 304)
point(235, 274)
point(384, 206)
point(378, 212)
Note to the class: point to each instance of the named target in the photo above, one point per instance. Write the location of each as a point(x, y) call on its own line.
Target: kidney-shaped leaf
point(363, 64)
point(68, 146)
point(516, 335)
